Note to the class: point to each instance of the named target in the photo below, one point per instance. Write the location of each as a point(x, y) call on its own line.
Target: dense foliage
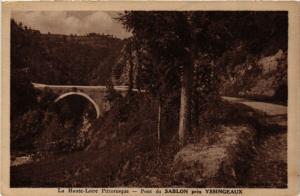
point(194, 50)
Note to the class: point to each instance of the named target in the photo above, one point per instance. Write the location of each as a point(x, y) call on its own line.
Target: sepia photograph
point(148, 99)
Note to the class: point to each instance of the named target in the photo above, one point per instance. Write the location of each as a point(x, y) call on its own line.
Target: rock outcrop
point(218, 160)
point(266, 78)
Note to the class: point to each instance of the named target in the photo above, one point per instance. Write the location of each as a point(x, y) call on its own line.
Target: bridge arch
point(83, 95)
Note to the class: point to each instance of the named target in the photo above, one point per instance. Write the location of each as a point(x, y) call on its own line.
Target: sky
point(72, 22)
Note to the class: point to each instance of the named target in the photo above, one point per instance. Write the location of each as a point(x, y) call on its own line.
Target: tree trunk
point(185, 103)
point(159, 121)
point(195, 113)
point(130, 74)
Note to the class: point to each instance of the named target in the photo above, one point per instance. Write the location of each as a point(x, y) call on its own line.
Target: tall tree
point(165, 36)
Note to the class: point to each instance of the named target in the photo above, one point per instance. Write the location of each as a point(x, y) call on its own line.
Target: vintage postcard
point(150, 98)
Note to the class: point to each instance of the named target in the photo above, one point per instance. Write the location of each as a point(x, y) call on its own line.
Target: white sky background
point(72, 22)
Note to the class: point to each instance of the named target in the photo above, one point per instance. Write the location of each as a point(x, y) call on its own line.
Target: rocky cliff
point(266, 77)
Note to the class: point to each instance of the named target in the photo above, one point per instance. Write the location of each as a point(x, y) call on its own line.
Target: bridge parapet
point(94, 94)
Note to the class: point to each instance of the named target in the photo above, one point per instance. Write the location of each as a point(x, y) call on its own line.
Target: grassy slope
point(124, 150)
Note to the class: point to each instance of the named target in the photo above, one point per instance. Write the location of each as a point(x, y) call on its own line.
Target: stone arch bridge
point(94, 94)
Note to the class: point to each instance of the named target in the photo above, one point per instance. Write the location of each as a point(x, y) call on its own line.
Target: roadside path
point(269, 108)
point(269, 166)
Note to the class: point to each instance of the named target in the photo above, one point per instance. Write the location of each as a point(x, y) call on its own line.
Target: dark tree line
point(62, 59)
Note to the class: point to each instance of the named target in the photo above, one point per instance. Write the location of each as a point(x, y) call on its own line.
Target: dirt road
point(269, 108)
point(269, 166)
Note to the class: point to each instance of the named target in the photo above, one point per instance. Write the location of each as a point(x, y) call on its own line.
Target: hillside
point(64, 59)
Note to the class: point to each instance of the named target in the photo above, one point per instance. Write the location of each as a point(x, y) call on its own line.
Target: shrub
point(24, 128)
